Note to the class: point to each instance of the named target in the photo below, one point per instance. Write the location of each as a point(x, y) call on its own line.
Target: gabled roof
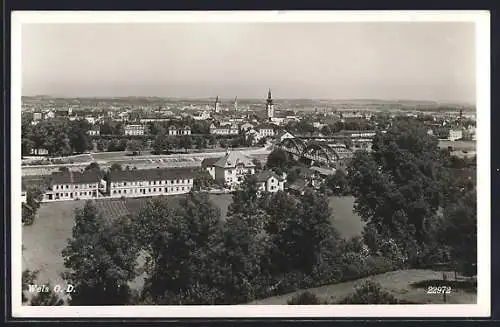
point(75, 177)
point(207, 162)
point(264, 176)
point(151, 174)
point(232, 159)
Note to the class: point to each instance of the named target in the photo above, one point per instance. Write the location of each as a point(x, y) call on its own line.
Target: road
point(141, 162)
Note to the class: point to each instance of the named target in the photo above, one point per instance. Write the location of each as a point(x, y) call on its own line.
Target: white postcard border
point(481, 309)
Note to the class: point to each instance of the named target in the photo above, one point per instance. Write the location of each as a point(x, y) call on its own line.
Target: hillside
point(402, 284)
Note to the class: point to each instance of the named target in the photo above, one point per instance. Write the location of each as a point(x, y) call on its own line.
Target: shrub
point(305, 298)
point(369, 292)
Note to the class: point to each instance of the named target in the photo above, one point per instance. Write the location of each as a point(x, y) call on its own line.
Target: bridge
point(314, 152)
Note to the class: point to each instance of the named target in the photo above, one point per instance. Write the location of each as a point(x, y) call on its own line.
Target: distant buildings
point(455, 134)
point(265, 131)
point(95, 131)
point(175, 131)
point(230, 129)
point(134, 129)
point(203, 116)
point(284, 135)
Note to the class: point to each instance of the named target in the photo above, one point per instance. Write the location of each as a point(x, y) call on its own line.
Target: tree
point(202, 180)
point(135, 146)
point(27, 145)
point(257, 163)
point(92, 165)
point(277, 159)
point(100, 258)
point(370, 292)
point(179, 242)
point(338, 183)
point(185, 142)
point(28, 278)
point(115, 167)
point(397, 185)
point(34, 197)
point(459, 230)
point(245, 199)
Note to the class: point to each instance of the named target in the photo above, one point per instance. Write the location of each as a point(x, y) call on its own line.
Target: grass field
point(401, 284)
point(46, 238)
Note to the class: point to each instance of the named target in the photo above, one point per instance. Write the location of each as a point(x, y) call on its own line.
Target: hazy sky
point(420, 61)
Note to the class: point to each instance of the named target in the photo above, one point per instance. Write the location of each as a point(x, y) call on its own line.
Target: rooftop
point(232, 159)
point(151, 174)
point(75, 177)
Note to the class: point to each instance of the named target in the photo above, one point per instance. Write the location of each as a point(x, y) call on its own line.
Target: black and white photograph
point(250, 164)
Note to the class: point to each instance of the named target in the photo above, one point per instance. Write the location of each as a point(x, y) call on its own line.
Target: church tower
point(270, 106)
point(217, 105)
point(236, 104)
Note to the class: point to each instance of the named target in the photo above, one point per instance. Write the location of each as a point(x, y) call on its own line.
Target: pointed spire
point(269, 95)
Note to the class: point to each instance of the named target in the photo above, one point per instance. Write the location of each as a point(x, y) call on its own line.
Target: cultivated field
point(403, 284)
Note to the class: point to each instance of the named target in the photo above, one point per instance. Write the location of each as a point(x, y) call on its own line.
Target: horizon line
point(246, 98)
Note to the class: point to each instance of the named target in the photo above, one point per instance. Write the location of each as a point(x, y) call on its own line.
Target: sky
point(356, 60)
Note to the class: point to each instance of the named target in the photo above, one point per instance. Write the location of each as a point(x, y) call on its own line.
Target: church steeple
point(269, 97)
point(270, 106)
point(217, 109)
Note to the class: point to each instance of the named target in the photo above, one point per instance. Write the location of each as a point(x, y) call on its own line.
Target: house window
point(176, 188)
point(124, 191)
point(125, 184)
point(67, 186)
point(76, 186)
point(154, 189)
point(166, 189)
point(119, 191)
point(178, 181)
point(183, 188)
point(57, 194)
point(149, 190)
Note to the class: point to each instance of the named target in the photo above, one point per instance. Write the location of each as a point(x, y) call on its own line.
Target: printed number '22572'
point(438, 290)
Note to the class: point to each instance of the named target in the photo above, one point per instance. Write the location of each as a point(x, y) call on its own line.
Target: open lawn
point(402, 285)
point(345, 220)
point(46, 238)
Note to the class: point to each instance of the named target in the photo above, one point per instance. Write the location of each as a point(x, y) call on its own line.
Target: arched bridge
point(316, 152)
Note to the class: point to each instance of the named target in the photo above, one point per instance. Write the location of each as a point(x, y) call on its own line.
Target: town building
point(37, 116)
point(134, 129)
point(150, 182)
point(455, 134)
point(94, 131)
point(283, 135)
point(175, 131)
point(265, 131)
point(231, 169)
point(227, 129)
point(70, 185)
point(268, 181)
point(246, 126)
point(204, 115)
